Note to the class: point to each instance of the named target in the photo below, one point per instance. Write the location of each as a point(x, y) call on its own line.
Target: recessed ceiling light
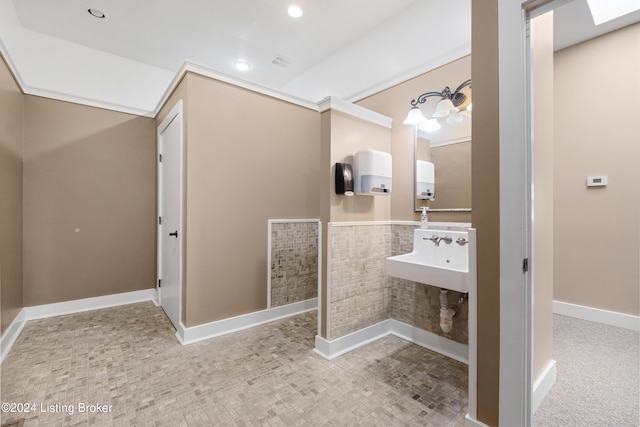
point(242, 65)
point(295, 11)
point(97, 13)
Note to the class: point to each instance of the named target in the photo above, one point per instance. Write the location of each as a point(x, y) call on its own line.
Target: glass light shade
point(429, 125)
point(414, 117)
point(459, 118)
point(445, 106)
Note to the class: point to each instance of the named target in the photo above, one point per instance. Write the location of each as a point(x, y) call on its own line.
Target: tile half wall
point(361, 294)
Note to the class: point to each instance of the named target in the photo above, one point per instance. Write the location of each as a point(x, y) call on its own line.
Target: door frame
point(516, 204)
point(176, 113)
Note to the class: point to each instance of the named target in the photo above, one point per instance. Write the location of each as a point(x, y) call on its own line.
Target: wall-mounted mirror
point(442, 150)
point(449, 150)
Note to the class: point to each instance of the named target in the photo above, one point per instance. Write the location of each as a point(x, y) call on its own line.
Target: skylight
point(606, 10)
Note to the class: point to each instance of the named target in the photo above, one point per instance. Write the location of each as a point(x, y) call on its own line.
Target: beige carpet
point(598, 376)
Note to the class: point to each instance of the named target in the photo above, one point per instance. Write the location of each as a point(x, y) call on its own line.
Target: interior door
point(170, 214)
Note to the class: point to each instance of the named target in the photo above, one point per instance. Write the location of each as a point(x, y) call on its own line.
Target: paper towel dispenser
point(372, 172)
point(344, 179)
point(425, 180)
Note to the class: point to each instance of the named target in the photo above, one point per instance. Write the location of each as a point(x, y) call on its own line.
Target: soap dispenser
point(424, 220)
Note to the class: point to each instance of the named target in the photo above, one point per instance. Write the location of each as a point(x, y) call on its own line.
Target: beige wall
point(395, 102)
point(348, 136)
point(485, 194)
point(542, 65)
point(241, 171)
point(597, 101)
point(342, 135)
point(94, 170)
point(11, 164)
point(453, 179)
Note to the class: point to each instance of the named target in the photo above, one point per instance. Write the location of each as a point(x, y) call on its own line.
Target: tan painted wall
point(395, 102)
point(349, 135)
point(94, 170)
point(542, 65)
point(453, 179)
point(241, 172)
point(341, 136)
point(11, 164)
point(597, 249)
point(485, 194)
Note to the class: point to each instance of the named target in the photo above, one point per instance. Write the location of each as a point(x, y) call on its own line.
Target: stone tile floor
point(127, 360)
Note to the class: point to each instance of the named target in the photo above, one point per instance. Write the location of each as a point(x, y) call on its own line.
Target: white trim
point(286, 221)
point(203, 70)
point(319, 277)
point(450, 56)
point(87, 304)
point(433, 224)
point(334, 348)
point(443, 142)
point(176, 113)
point(473, 325)
point(621, 320)
point(337, 104)
point(472, 422)
point(11, 334)
point(426, 339)
point(233, 324)
point(543, 385)
point(155, 297)
point(269, 261)
point(515, 298)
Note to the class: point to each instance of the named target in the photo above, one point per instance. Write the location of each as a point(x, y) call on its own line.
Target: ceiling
point(348, 49)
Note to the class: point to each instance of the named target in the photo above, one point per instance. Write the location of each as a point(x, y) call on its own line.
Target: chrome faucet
point(435, 239)
point(446, 239)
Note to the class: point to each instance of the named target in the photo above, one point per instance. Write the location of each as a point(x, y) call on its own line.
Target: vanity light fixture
point(447, 107)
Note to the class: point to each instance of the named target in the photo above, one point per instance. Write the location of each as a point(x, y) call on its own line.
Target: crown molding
point(337, 104)
point(453, 55)
point(202, 70)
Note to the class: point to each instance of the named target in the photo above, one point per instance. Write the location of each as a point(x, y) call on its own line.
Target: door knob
point(174, 234)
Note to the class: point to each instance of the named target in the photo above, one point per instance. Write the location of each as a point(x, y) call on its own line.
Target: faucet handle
point(462, 241)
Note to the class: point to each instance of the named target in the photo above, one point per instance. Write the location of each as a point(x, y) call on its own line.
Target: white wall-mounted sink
point(435, 260)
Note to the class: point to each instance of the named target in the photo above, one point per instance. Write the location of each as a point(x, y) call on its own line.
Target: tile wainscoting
point(293, 276)
point(362, 295)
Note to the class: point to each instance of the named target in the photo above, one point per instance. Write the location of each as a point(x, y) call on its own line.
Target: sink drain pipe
point(447, 312)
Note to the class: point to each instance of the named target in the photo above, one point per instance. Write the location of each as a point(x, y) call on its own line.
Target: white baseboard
point(11, 334)
point(226, 326)
point(87, 304)
point(155, 297)
point(332, 349)
point(471, 422)
point(612, 318)
point(437, 343)
point(543, 385)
